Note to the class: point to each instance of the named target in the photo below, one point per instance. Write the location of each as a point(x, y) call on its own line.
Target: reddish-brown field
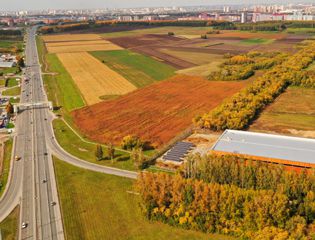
point(156, 113)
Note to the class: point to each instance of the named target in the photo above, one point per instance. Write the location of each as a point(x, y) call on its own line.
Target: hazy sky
point(81, 4)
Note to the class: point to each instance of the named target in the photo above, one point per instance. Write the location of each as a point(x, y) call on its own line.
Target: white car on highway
point(24, 225)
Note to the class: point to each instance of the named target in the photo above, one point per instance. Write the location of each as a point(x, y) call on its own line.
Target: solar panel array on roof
point(178, 152)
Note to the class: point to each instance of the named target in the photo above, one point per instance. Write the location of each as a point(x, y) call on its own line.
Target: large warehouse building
point(291, 151)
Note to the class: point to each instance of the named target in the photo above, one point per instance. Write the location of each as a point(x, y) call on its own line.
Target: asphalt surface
point(39, 204)
point(32, 183)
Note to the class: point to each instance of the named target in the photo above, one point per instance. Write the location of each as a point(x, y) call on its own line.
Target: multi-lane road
point(32, 183)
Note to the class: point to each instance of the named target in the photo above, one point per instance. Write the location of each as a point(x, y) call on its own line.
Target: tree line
point(211, 207)
point(219, 25)
point(112, 23)
point(265, 25)
point(64, 28)
point(10, 32)
point(238, 111)
point(14, 35)
point(257, 175)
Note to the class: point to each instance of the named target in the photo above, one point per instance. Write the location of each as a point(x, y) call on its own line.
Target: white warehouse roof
point(267, 146)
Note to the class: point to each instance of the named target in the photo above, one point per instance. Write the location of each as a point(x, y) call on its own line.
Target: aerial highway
point(40, 215)
point(32, 183)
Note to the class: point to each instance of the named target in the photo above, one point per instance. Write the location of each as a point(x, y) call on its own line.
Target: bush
point(204, 36)
point(130, 142)
point(214, 32)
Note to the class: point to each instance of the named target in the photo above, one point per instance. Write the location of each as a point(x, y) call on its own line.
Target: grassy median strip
point(71, 143)
point(9, 226)
point(99, 206)
point(6, 165)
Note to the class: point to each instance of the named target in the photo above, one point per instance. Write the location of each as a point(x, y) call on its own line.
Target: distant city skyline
point(15, 5)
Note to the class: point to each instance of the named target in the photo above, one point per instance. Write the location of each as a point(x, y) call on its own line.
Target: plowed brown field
point(93, 78)
point(156, 113)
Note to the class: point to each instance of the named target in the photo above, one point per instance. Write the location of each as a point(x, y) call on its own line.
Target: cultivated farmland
point(203, 70)
point(71, 37)
point(93, 78)
point(292, 113)
point(186, 53)
point(193, 57)
point(140, 70)
point(86, 47)
point(150, 45)
point(156, 113)
point(77, 43)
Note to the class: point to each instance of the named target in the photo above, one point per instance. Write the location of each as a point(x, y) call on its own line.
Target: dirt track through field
point(93, 78)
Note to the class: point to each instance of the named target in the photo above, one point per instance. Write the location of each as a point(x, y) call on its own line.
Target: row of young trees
point(241, 67)
point(238, 111)
point(110, 153)
point(136, 147)
point(211, 207)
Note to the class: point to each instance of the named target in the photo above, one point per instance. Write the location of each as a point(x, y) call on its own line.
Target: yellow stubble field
point(80, 48)
point(75, 43)
point(71, 37)
point(68, 43)
point(93, 78)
